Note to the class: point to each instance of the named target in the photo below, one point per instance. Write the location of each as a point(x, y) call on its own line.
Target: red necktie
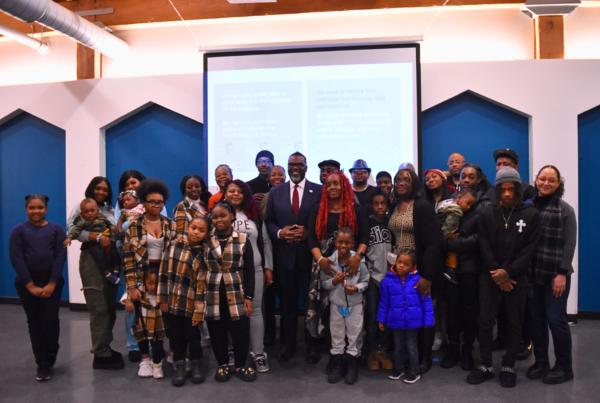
point(295, 202)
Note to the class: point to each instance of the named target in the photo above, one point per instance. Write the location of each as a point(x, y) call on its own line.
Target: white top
point(155, 247)
point(243, 225)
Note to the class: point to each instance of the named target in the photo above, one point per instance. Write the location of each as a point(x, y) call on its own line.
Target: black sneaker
point(246, 374)
point(538, 370)
point(524, 352)
point(135, 356)
point(396, 373)
point(508, 377)
point(480, 375)
point(43, 372)
point(412, 376)
point(197, 375)
point(558, 375)
point(450, 275)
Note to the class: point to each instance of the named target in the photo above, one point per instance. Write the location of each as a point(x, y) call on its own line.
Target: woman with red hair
point(338, 209)
point(248, 220)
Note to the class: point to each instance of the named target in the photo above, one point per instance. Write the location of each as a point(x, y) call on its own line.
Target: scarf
point(549, 252)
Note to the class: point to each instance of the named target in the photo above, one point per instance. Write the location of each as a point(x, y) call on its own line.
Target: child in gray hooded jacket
point(346, 305)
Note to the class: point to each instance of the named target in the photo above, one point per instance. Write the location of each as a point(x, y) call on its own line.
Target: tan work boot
point(373, 361)
point(384, 358)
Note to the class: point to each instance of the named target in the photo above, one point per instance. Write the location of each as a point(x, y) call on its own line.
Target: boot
point(384, 358)
point(352, 374)
point(373, 361)
point(452, 358)
point(426, 359)
point(467, 363)
point(197, 375)
point(180, 373)
point(338, 368)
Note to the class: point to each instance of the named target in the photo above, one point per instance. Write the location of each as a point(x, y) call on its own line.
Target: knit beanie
point(507, 174)
point(265, 153)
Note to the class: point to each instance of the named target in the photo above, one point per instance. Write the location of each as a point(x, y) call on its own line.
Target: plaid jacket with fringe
point(149, 324)
point(183, 214)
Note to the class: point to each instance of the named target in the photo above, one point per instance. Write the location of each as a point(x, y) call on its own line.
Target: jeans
point(42, 320)
point(375, 337)
point(491, 297)
point(132, 345)
point(349, 327)
point(462, 309)
point(550, 311)
point(101, 300)
point(406, 339)
point(257, 323)
point(183, 335)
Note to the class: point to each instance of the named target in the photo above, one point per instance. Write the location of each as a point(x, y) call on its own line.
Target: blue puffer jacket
point(401, 306)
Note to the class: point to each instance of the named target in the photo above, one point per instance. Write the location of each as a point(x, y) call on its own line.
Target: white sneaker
point(157, 371)
point(170, 358)
point(145, 370)
point(437, 342)
point(260, 361)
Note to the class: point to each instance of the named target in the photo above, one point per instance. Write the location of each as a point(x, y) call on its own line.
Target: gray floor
point(74, 380)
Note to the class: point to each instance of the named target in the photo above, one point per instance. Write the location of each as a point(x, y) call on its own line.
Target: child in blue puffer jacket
point(404, 311)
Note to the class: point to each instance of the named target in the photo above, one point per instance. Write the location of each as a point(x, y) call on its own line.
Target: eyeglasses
point(360, 171)
point(402, 180)
point(155, 203)
point(328, 170)
point(551, 181)
point(450, 163)
point(297, 165)
point(265, 161)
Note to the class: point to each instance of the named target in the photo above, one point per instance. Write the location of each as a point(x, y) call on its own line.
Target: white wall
point(552, 92)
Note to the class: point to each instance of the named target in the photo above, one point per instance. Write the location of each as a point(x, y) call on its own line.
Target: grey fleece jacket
point(337, 294)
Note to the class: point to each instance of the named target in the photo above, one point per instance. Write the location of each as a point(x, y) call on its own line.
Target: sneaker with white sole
point(170, 358)
point(260, 361)
point(412, 376)
point(145, 370)
point(157, 371)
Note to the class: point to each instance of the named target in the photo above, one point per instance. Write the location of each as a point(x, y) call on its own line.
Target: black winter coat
point(465, 245)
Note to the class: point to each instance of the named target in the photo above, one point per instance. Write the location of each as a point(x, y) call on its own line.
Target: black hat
point(265, 153)
point(332, 163)
point(360, 164)
point(506, 152)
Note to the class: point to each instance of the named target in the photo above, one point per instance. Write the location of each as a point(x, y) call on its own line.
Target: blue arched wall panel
point(589, 214)
point(159, 143)
point(32, 160)
point(474, 127)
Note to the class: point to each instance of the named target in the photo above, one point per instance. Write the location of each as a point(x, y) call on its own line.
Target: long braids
point(347, 217)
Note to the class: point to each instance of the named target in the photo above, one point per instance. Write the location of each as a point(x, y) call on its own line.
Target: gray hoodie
point(337, 294)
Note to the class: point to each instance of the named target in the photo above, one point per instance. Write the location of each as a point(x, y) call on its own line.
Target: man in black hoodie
point(507, 235)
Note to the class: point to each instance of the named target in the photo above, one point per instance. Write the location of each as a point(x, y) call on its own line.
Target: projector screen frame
point(416, 46)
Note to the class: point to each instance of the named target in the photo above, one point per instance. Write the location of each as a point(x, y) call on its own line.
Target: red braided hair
point(347, 217)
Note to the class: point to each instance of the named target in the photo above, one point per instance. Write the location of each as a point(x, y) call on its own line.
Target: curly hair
point(151, 186)
point(204, 193)
point(249, 206)
point(347, 217)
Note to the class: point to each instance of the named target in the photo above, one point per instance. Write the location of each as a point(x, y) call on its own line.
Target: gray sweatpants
point(350, 326)
point(257, 322)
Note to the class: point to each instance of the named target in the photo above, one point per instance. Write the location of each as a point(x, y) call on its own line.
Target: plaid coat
point(136, 254)
point(181, 279)
point(183, 214)
point(149, 324)
point(227, 265)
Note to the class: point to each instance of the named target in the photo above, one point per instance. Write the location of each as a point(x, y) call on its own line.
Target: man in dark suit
point(287, 220)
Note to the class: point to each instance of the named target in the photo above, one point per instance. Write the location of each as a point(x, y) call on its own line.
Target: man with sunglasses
point(360, 172)
point(261, 185)
point(327, 167)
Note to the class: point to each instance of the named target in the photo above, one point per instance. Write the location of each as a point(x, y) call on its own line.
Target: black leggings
point(158, 352)
point(239, 331)
point(181, 335)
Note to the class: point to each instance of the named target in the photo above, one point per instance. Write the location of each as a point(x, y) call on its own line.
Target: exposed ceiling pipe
point(42, 47)
point(58, 18)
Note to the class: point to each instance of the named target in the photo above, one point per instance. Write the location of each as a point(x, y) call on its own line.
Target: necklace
point(504, 218)
point(335, 209)
point(152, 222)
point(223, 240)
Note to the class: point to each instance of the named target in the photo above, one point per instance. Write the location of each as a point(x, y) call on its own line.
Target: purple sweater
point(37, 253)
